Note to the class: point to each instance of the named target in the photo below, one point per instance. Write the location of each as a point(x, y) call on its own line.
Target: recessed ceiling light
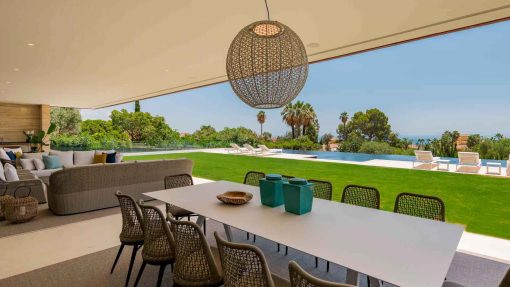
point(31, 44)
point(167, 70)
point(16, 70)
point(8, 83)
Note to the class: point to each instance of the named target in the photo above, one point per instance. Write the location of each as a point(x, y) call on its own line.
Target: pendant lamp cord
point(267, 9)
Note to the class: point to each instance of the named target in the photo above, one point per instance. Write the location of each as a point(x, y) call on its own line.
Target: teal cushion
point(51, 162)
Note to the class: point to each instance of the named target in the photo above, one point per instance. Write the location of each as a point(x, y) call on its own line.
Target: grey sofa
point(37, 187)
point(92, 187)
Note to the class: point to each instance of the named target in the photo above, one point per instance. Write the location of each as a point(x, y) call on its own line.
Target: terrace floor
point(88, 246)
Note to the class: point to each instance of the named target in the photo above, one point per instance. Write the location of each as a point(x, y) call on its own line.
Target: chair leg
point(316, 262)
point(117, 258)
point(189, 218)
point(254, 237)
point(140, 273)
point(131, 263)
point(327, 267)
point(278, 246)
point(205, 226)
point(160, 274)
point(247, 236)
point(286, 250)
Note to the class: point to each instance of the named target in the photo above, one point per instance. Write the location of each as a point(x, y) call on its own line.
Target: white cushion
point(27, 163)
point(3, 155)
point(44, 172)
point(118, 157)
point(65, 157)
point(84, 157)
point(38, 164)
point(10, 173)
point(2, 175)
point(38, 155)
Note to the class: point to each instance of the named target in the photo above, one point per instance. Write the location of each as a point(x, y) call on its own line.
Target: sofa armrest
point(4, 161)
point(36, 185)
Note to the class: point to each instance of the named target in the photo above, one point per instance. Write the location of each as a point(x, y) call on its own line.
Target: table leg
point(200, 221)
point(228, 232)
point(352, 277)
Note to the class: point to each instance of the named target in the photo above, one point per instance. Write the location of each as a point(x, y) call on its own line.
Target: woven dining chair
point(363, 196)
point(194, 261)
point(132, 233)
point(418, 205)
point(253, 178)
point(300, 278)
point(159, 245)
point(244, 265)
point(172, 211)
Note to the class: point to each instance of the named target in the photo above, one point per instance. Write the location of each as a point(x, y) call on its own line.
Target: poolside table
point(395, 248)
point(443, 161)
point(493, 164)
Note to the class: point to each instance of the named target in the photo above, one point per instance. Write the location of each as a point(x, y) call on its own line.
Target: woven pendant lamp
point(267, 64)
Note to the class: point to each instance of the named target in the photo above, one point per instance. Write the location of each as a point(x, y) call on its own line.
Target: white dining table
point(398, 249)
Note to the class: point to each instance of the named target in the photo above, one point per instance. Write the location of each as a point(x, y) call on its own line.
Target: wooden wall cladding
point(14, 119)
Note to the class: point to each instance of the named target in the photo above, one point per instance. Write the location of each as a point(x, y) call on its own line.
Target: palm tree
point(307, 116)
point(289, 117)
point(344, 117)
point(261, 118)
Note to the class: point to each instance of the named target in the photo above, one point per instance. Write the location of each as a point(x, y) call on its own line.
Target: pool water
point(360, 157)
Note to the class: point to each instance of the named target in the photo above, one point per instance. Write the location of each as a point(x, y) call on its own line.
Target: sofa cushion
point(34, 155)
point(38, 164)
point(105, 151)
point(2, 173)
point(10, 173)
point(100, 158)
point(118, 157)
point(3, 155)
point(44, 172)
point(14, 150)
point(110, 157)
point(65, 157)
point(84, 157)
point(11, 155)
point(51, 162)
point(27, 163)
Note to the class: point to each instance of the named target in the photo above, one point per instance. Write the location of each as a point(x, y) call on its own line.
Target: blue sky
point(458, 81)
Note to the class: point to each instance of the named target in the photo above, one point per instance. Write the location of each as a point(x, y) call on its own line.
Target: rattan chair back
point(253, 177)
point(132, 232)
point(175, 181)
point(364, 196)
point(300, 278)
point(418, 205)
point(243, 265)
point(194, 261)
point(322, 189)
point(159, 242)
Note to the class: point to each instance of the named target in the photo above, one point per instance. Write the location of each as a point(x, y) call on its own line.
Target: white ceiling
point(96, 53)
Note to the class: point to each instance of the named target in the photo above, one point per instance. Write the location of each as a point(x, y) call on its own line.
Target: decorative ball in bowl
point(235, 197)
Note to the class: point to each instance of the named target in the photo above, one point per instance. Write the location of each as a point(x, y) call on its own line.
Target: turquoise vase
point(298, 196)
point(271, 190)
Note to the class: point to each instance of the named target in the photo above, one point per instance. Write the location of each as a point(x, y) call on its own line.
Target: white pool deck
point(474, 244)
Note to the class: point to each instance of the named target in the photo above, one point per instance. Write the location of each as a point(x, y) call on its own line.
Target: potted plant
point(38, 139)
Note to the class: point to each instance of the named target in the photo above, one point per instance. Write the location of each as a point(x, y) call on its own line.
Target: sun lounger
point(252, 149)
point(424, 157)
point(236, 149)
point(265, 149)
point(471, 159)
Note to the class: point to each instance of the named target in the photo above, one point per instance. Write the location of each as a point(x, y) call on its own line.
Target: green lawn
point(481, 203)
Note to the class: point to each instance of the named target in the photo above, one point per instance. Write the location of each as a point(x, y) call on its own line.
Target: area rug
point(93, 269)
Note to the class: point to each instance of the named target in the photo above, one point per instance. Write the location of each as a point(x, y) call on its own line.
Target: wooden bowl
point(235, 197)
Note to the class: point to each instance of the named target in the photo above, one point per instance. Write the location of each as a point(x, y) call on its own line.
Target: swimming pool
point(361, 157)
